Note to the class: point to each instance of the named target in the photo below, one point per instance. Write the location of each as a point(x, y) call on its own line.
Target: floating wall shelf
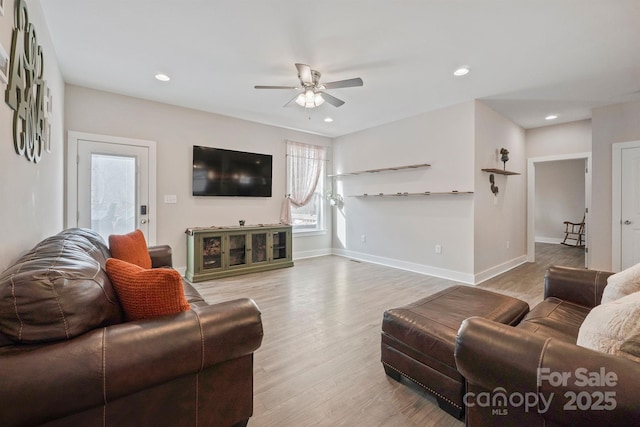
point(500, 172)
point(397, 168)
point(426, 193)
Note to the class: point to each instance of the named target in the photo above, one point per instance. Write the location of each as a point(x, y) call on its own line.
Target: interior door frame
point(616, 201)
point(531, 200)
point(71, 219)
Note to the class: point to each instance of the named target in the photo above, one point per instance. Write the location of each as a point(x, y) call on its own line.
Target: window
point(310, 216)
point(303, 208)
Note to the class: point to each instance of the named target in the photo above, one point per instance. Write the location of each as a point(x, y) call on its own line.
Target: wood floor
point(319, 364)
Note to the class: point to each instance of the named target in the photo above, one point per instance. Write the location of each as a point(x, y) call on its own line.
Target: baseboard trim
point(553, 240)
point(408, 266)
point(312, 254)
point(499, 269)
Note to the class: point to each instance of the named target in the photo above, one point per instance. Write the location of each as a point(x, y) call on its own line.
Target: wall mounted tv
point(219, 172)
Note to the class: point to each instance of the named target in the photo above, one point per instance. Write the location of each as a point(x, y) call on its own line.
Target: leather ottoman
point(418, 339)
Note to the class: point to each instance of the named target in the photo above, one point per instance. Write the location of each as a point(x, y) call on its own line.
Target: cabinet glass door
point(279, 245)
point(237, 249)
point(258, 247)
point(211, 252)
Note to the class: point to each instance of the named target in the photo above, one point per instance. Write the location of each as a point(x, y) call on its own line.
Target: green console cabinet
point(214, 252)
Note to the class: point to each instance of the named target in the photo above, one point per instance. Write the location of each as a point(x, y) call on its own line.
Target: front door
point(113, 186)
point(630, 207)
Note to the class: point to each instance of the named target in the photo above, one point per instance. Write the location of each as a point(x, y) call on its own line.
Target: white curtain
point(304, 165)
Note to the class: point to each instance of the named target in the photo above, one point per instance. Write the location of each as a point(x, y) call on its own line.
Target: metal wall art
point(27, 90)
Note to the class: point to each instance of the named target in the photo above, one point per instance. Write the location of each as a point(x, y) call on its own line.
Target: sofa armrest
point(160, 256)
point(577, 285)
point(108, 363)
point(598, 389)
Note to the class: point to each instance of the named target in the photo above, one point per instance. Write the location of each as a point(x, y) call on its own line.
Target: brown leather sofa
point(534, 374)
point(189, 369)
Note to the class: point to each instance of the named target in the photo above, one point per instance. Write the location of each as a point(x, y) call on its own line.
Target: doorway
point(543, 163)
point(111, 184)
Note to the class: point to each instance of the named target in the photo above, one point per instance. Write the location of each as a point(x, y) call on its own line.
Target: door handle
point(143, 221)
point(627, 222)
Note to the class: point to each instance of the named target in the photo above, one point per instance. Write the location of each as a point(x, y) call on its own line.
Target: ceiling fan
point(312, 94)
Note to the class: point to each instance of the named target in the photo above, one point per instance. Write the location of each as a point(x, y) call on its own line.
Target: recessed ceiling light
point(328, 119)
point(163, 77)
point(461, 71)
point(551, 117)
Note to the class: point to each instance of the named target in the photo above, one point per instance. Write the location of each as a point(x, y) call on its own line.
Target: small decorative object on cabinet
point(214, 252)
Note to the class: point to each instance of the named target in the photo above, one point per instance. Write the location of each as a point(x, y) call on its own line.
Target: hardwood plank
point(319, 364)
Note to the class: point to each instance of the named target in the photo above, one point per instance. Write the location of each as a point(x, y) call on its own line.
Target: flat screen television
point(219, 172)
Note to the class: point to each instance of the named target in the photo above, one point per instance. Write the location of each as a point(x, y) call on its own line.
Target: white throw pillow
point(614, 328)
point(622, 284)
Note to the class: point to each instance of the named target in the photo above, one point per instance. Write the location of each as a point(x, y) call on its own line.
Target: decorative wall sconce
point(27, 93)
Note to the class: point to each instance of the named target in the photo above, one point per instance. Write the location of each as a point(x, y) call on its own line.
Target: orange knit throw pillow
point(130, 247)
point(147, 293)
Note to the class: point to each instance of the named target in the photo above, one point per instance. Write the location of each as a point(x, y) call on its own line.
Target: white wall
point(614, 123)
point(555, 140)
point(403, 231)
point(176, 130)
point(499, 222)
point(560, 196)
point(31, 194)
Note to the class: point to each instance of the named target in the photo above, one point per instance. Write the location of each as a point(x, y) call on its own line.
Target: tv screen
point(219, 172)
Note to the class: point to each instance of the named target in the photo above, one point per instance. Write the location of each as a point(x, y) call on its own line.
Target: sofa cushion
point(58, 290)
point(131, 247)
point(622, 284)
point(555, 318)
point(614, 328)
point(147, 293)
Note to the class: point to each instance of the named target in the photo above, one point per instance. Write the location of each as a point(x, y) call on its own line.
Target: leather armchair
point(518, 376)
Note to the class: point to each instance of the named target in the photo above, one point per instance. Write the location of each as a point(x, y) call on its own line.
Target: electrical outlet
point(508, 244)
point(363, 238)
point(438, 249)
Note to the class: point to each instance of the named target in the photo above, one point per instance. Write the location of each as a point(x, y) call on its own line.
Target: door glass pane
point(113, 194)
point(258, 247)
point(211, 252)
point(279, 245)
point(237, 249)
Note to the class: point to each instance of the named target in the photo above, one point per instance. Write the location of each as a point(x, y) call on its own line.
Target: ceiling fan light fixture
point(309, 95)
point(309, 99)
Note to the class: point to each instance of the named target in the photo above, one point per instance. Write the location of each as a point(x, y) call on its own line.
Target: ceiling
point(528, 58)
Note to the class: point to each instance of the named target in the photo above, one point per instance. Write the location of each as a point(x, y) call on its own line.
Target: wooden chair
point(574, 233)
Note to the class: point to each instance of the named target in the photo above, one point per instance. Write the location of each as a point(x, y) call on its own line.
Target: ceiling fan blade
point(291, 102)
point(343, 83)
point(304, 74)
point(275, 87)
point(332, 99)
